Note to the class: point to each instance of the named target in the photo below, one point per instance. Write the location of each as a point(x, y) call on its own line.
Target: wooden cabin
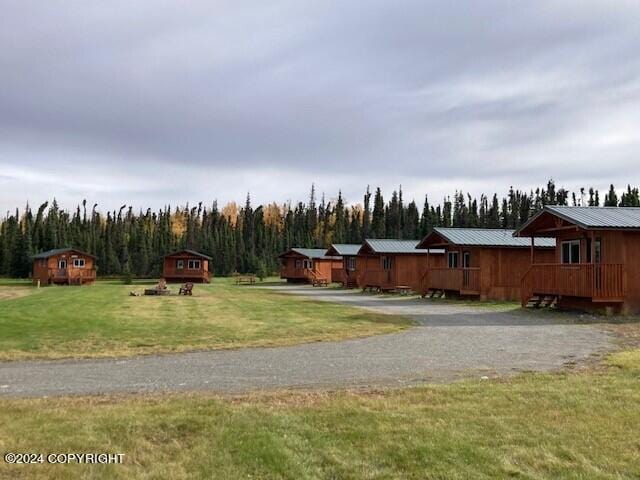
point(386, 265)
point(346, 272)
point(308, 265)
point(483, 263)
point(597, 258)
point(64, 266)
point(186, 266)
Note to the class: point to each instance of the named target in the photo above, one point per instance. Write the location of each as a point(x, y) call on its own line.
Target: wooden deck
point(184, 275)
point(465, 281)
point(72, 276)
point(598, 282)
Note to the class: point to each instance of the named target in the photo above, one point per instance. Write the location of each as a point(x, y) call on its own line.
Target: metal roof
point(58, 251)
point(490, 237)
point(599, 217)
point(345, 248)
point(314, 253)
point(591, 217)
point(398, 246)
point(190, 252)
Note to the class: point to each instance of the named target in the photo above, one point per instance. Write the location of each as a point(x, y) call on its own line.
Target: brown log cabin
point(64, 266)
point(482, 263)
point(597, 258)
point(308, 265)
point(385, 265)
point(345, 273)
point(186, 266)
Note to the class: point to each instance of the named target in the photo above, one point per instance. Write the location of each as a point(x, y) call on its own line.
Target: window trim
point(180, 264)
point(387, 262)
point(450, 255)
point(192, 262)
point(571, 243)
point(79, 263)
point(351, 263)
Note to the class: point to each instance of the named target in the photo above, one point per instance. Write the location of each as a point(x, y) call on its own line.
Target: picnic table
point(246, 279)
point(402, 289)
point(320, 282)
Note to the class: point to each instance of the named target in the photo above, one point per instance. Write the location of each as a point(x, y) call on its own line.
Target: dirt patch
point(10, 293)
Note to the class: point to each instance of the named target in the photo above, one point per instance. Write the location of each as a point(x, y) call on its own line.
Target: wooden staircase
point(351, 283)
point(542, 301)
point(434, 293)
point(313, 276)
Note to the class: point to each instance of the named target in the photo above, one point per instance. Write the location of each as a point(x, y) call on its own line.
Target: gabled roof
point(343, 249)
point(588, 218)
point(313, 253)
point(58, 251)
point(395, 246)
point(482, 237)
point(189, 252)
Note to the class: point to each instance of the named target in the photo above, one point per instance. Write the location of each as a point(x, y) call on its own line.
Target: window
point(179, 264)
point(598, 250)
point(387, 263)
point(62, 264)
point(452, 258)
point(298, 263)
point(351, 263)
point(78, 262)
point(466, 259)
point(308, 264)
point(571, 251)
point(194, 264)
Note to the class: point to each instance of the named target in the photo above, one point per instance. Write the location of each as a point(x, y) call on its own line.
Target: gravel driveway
point(451, 341)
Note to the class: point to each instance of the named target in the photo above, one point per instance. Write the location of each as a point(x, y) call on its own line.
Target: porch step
point(549, 301)
point(351, 284)
point(434, 293)
point(539, 301)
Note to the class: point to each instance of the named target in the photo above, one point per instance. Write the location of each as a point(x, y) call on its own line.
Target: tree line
point(249, 239)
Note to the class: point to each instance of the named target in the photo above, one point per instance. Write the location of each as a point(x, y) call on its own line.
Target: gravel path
point(451, 341)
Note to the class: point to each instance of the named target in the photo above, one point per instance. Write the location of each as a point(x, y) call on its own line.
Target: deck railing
point(306, 273)
point(457, 279)
point(185, 273)
point(374, 278)
point(72, 274)
point(596, 281)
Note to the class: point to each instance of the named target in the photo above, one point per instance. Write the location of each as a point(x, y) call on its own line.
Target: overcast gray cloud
point(166, 102)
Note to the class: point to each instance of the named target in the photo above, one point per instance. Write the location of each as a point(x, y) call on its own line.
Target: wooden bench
point(246, 280)
point(186, 289)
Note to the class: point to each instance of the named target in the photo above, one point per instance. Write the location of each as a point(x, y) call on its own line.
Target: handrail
point(602, 281)
point(459, 278)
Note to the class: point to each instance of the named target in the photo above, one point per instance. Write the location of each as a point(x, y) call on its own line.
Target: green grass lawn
point(104, 320)
point(533, 426)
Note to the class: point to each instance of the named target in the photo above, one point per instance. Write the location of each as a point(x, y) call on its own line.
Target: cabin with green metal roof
point(308, 265)
point(389, 264)
point(597, 258)
point(485, 263)
point(64, 266)
point(345, 274)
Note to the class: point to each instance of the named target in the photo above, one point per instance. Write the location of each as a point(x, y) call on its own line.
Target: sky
point(150, 103)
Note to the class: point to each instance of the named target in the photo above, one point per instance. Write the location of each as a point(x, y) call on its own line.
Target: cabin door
point(466, 262)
